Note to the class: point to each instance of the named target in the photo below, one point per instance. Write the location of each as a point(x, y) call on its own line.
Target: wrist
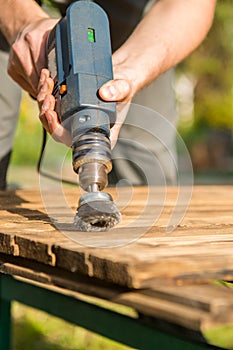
point(18, 14)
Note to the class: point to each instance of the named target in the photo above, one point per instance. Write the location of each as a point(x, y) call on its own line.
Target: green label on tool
point(91, 35)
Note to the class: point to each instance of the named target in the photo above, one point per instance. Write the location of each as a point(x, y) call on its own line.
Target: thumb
point(115, 90)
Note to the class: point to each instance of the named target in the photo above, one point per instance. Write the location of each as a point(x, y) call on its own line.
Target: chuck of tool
point(91, 149)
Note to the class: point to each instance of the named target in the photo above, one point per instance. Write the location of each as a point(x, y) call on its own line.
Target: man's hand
point(28, 56)
point(48, 116)
point(25, 26)
point(118, 90)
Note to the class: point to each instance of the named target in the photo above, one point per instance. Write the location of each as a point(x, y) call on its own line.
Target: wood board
point(161, 274)
point(137, 251)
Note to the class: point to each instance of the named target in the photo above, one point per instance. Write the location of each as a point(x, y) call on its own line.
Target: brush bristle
point(97, 215)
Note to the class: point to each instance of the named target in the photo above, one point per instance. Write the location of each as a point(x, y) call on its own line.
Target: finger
point(58, 132)
point(44, 74)
point(46, 105)
point(46, 89)
point(52, 101)
point(44, 121)
point(116, 90)
point(51, 123)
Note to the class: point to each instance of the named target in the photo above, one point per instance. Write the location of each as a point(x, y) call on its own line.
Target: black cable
point(39, 164)
point(44, 140)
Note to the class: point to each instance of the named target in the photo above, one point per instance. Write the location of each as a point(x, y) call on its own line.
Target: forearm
point(167, 34)
point(16, 14)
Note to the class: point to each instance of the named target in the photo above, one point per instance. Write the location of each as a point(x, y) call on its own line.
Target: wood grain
point(167, 275)
point(132, 253)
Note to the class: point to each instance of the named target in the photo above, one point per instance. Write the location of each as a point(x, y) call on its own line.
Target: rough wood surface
point(135, 252)
point(166, 275)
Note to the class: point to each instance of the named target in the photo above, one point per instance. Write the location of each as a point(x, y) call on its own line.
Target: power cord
point(40, 161)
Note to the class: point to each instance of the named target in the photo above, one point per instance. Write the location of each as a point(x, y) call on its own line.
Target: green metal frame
point(115, 326)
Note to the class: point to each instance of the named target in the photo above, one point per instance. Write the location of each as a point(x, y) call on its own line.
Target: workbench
point(168, 276)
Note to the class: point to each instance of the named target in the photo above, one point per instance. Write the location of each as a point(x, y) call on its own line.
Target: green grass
point(36, 330)
point(220, 336)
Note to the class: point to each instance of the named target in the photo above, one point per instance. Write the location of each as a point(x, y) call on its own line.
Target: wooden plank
point(146, 305)
point(199, 249)
point(196, 307)
point(212, 298)
point(137, 264)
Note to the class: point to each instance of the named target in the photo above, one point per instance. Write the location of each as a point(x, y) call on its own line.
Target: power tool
point(80, 62)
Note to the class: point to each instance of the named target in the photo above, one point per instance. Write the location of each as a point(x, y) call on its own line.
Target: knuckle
point(16, 47)
point(41, 117)
point(28, 37)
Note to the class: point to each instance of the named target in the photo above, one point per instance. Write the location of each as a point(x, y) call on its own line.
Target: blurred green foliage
point(220, 336)
point(211, 66)
point(28, 137)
